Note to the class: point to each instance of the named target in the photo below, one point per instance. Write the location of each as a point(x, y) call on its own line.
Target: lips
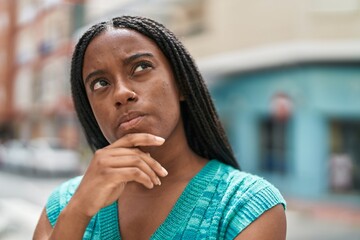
point(130, 120)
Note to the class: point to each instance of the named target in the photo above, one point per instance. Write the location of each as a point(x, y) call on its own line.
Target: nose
point(123, 95)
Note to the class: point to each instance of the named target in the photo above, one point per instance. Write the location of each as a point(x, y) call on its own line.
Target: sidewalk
point(18, 218)
point(320, 220)
point(324, 210)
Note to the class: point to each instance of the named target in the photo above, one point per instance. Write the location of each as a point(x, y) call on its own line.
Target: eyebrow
point(136, 56)
point(93, 74)
point(126, 62)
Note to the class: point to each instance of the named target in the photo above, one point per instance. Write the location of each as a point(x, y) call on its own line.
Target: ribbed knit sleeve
point(59, 198)
point(53, 207)
point(260, 197)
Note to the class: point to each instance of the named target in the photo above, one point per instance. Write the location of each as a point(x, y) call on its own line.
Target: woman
point(162, 168)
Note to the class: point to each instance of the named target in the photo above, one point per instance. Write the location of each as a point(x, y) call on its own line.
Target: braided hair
point(204, 132)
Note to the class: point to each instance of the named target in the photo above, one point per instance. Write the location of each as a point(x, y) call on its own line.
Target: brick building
point(7, 19)
point(42, 46)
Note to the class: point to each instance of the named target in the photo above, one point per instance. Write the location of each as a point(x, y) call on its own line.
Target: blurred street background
point(285, 77)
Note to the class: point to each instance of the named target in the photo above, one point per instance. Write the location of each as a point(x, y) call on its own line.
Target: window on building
point(345, 156)
point(273, 145)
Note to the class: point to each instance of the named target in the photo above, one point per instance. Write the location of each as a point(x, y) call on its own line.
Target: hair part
point(204, 132)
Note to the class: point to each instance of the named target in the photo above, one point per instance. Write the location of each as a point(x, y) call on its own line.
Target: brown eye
point(97, 84)
point(142, 66)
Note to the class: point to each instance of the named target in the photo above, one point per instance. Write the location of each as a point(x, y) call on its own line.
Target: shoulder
point(245, 197)
point(270, 225)
point(60, 197)
point(245, 185)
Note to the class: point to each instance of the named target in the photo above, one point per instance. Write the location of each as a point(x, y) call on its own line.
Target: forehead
point(120, 40)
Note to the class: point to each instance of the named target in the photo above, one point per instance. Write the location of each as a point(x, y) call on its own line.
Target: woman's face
point(119, 62)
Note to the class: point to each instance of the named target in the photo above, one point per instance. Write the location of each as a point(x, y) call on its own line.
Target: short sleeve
point(260, 197)
point(59, 198)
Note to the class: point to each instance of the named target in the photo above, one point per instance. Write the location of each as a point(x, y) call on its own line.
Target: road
point(22, 199)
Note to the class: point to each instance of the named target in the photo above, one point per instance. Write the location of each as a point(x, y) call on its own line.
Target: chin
point(121, 134)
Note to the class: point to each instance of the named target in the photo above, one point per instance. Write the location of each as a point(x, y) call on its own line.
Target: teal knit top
point(218, 203)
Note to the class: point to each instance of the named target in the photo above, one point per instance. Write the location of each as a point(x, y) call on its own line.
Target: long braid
point(204, 131)
point(92, 131)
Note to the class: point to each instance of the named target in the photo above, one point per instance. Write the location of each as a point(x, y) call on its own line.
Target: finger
point(151, 162)
point(155, 165)
point(133, 174)
point(137, 139)
point(133, 161)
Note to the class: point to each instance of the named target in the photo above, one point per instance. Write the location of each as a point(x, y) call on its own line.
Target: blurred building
point(296, 124)
point(185, 17)
point(41, 90)
point(7, 26)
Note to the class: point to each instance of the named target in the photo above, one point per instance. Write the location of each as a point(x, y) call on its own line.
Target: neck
point(176, 156)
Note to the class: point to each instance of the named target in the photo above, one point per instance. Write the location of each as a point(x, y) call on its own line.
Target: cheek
point(169, 89)
point(170, 97)
point(171, 101)
point(102, 117)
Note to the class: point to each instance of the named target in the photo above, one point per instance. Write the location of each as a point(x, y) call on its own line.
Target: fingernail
point(158, 181)
point(159, 139)
point(163, 170)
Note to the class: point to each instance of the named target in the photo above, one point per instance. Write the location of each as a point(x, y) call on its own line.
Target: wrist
point(78, 210)
point(71, 223)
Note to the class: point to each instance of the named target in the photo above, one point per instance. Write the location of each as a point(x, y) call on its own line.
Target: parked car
point(16, 155)
point(50, 157)
point(41, 156)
